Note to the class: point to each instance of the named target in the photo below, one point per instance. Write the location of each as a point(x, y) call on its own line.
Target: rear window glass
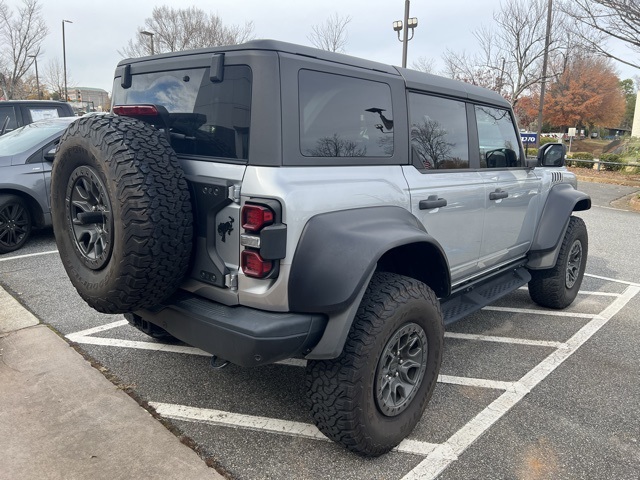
point(344, 116)
point(43, 113)
point(205, 118)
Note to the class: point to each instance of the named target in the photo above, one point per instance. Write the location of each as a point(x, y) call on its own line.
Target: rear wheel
point(372, 396)
point(558, 287)
point(15, 223)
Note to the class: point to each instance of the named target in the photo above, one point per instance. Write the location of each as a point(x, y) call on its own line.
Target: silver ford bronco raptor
point(266, 201)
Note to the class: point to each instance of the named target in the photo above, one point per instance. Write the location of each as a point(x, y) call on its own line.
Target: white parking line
point(533, 311)
point(273, 425)
point(437, 457)
point(18, 257)
point(101, 328)
point(481, 383)
point(435, 463)
point(587, 292)
point(612, 280)
point(518, 341)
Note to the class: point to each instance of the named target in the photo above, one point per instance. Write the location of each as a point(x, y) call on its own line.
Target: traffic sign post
point(571, 134)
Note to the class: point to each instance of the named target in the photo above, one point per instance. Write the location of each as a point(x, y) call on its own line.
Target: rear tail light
point(256, 217)
point(253, 265)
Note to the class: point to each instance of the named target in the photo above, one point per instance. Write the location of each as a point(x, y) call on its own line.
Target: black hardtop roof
point(414, 79)
point(276, 46)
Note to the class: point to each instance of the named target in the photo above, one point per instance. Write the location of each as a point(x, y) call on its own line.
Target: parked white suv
point(268, 200)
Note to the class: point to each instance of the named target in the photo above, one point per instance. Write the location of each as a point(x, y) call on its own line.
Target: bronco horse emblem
point(225, 228)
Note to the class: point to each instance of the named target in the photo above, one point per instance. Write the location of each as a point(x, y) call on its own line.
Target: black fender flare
point(338, 252)
point(562, 200)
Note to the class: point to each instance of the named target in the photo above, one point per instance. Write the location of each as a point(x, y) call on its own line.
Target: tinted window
point(8, 112)
point(344, 117)
point(499, 146)
point(438, 132)
point(205, 118)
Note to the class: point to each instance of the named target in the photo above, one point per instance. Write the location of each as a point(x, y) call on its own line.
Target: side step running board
point(474, 298)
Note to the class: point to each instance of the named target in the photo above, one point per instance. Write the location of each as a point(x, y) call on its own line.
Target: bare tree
point(53, 78)
point(424, 64)
point(21, 36)
point(332, 34)
point(177, 29)
point(595, 21)
point(511, 53)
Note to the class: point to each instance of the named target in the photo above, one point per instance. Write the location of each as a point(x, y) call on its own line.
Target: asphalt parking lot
point(524, 392)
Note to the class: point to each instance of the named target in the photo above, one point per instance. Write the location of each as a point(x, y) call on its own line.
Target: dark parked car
point(16, 113)
point(26, 155)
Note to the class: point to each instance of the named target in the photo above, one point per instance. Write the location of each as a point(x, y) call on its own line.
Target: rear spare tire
point(121, 213)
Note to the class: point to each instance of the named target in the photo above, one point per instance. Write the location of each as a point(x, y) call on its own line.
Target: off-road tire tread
point(547, 287)
point(155, 206)
point(330, 383)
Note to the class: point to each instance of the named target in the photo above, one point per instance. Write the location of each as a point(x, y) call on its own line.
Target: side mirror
point(50, 155)
point(552, 155)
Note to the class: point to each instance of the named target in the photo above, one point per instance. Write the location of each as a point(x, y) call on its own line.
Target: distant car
point(17, 113)
point(26, 155)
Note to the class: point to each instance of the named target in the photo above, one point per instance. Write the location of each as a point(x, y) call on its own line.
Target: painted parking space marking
point(28, 255)
point(435, 457)
point(274, 425)
point(535, 311)
point(608, 279)
point(432, 466)
point(512, 340)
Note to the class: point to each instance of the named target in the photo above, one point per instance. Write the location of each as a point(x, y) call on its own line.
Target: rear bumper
point(241, 335)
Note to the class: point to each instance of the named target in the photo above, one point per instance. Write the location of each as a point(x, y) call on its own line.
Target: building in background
point(86, 99)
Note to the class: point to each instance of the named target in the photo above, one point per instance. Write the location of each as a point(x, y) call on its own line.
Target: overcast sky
point(102, 27)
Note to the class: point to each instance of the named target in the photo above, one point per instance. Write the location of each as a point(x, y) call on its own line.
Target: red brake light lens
point(135, 110)
point(253, 265)
point(256, 217)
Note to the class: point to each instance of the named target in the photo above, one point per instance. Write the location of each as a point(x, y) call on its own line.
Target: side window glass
point(344, 116)
point(8, 112)
point(499, 147)
point(438, 132)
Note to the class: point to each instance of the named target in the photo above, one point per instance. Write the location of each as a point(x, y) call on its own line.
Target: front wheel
point(372, 396)
point(558, 287)
point(15, 223)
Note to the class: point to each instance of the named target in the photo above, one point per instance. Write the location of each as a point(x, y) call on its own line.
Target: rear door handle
point(432, 201)
point(498, 194)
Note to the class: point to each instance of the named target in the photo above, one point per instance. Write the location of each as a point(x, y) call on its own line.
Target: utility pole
point(64, 60)
point(35, 60)
point(547, 42)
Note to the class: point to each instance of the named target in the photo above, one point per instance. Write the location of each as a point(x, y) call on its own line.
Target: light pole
point(409, 23)
point(150, 35)
point(64, 60)
point(35, 60)
point(547, 41)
